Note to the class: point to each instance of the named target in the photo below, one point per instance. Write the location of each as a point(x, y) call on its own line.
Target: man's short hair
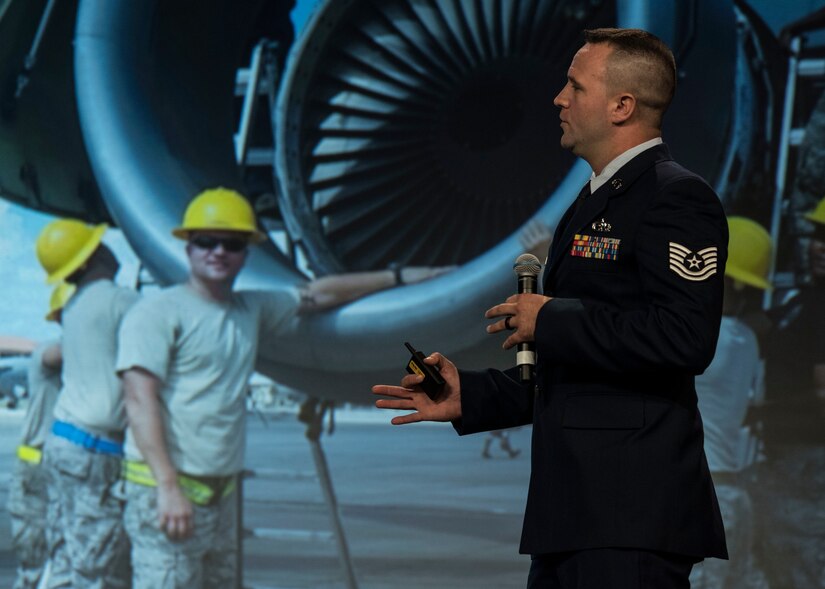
point(640, 63)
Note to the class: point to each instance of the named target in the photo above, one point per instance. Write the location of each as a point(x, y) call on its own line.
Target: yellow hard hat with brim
point(749, 252)
point(818, 214)
point(219, 209)
point(60, 296)
point(64, 245)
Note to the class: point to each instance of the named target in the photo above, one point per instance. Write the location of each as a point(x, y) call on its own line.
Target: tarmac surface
point(420, 506)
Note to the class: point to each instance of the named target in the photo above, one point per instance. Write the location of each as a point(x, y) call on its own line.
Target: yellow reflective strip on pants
point(29, 454)
point(138, 472)
point(195, 491)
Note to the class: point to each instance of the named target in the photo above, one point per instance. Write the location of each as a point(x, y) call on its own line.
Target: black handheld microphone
point(527, 267)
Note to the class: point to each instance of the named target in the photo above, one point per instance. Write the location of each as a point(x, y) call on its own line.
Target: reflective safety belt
point(197, 491)
point(29, 454)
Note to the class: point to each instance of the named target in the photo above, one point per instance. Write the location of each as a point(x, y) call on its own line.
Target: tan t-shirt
point(44, 384)
point(92, 397)
point(204, 352)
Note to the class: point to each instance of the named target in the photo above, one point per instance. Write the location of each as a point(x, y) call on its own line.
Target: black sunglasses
point(230, 244)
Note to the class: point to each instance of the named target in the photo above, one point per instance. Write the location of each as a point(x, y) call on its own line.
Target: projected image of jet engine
point(423, 132)
point(412, 132)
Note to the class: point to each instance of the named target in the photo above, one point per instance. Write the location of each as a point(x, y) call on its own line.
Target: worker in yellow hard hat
point(726, 390)
point(816, 249)
point(28, 494)
point(65, 246)
point(82, 453)
point(59, 298)
point(816, 259)
point(185, 357)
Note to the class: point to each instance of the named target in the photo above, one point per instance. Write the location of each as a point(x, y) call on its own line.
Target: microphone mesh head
point(527, 265)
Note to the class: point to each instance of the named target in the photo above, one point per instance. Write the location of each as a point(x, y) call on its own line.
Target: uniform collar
point(597, 182)
point(619, 182)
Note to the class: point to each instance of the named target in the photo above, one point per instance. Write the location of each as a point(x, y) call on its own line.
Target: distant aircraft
point(405, 131)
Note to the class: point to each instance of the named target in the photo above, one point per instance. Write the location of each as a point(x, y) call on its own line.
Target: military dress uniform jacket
point(636, 272)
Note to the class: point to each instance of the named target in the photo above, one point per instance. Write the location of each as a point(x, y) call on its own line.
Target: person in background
point(727, 390)
point(28, 498)
point(791, 531)
point(503, 437)
point(83, 450)
point(185, 356)
point(816, 259)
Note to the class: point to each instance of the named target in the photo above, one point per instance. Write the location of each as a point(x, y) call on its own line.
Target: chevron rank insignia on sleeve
point(690, 265)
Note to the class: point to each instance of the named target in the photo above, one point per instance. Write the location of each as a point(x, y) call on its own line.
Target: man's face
point(216, 256)
point(584, 102)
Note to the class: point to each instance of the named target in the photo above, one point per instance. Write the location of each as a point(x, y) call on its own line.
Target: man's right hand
point(175, 512)
point(411, 397)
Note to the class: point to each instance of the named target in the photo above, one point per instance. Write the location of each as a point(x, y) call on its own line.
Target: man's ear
point(624, 105)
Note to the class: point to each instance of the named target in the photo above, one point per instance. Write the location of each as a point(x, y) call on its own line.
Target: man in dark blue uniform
point(620, 493)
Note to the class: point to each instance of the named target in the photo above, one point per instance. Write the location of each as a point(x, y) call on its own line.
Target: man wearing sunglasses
point(185, 357)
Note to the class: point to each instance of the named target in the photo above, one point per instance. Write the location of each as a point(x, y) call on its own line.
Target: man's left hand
point(519, 312)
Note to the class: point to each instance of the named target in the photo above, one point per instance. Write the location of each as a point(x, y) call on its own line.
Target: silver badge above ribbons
point(601, 226)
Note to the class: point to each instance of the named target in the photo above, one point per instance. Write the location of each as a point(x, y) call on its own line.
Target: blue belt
point(86, 440)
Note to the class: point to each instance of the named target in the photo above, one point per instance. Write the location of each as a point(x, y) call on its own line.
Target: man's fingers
point(392, 391)
point(171, 527)
point(411, 381)
point(404, 419)
point(506, 324)
point(176, 526)
point(504, 309)
point(403, 405)
point(180, 527)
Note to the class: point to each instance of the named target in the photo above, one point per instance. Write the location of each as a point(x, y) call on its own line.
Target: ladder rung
point(782, 280)
point(260, 156)
point(810, 68)
point(242, 79)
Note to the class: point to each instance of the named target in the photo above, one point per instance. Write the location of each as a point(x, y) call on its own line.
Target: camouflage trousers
point(27, 511)
point(790, 505)
point(205, 560)
point(86, 514)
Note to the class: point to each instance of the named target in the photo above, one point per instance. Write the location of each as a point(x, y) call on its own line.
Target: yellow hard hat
point(219, 209)
point(64, 245)
point(60, 296)
point(818, 214)
point(749, 252)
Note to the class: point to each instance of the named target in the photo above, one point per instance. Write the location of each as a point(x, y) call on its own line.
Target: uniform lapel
point(591, 206)
point(596, 202)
